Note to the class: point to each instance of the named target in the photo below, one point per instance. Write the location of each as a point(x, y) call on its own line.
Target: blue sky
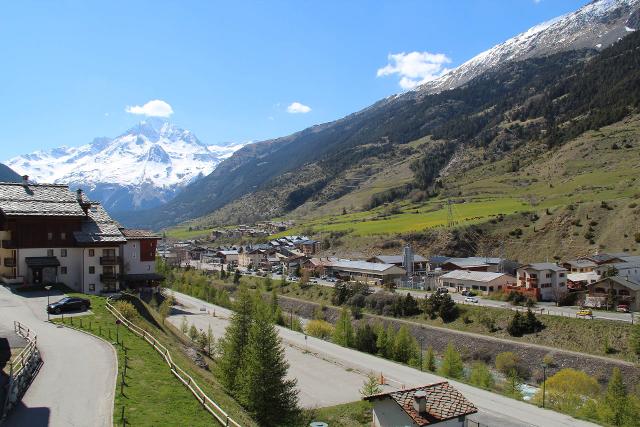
point(228, 71)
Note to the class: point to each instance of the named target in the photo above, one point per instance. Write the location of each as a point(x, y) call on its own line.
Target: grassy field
point(152, 395)
point(346, 415)
point(593, 336)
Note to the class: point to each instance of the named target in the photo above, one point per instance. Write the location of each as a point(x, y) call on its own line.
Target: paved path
point(494, 410)
point(76, 383)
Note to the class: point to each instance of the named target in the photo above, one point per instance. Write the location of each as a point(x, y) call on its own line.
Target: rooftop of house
point(361, 265)
point(398, 259)
point(28, 199)
point(478, 276)
point(98, 227)
point(473, 261)
point(131, 234)
point(581, 263)
point(622, 281)
point(443, 402)
point(602, 258)
point(540, 266)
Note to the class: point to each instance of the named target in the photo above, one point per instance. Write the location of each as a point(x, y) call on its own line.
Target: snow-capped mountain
point(142, 168)
point(596, 25)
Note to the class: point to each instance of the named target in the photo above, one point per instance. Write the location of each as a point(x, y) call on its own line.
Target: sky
point(232, 71)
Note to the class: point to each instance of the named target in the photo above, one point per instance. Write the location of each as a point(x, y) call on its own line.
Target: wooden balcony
point(109, 260)
point(108, 277)
point(9, 244)
point(9, 262)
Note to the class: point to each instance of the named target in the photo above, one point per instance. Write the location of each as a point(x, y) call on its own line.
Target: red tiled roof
point(139, 234)
point(443, 403)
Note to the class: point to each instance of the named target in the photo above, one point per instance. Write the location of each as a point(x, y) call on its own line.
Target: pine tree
point(343, 333)
point(512, 385)
point(381, 339)
point(430, 360)
point(265, 391)
point(236, 277)
point(371, 385)
point(615, 401)
point(390, 342)
point(451, 366)
point(365, 339)
point(234, 343)
point(210, 339)
point(404, 346)
point(481, 376)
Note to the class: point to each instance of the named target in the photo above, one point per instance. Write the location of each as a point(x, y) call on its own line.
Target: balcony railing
point(9, 262)
point(108, 277)
point(9, 244)
point(109, 260)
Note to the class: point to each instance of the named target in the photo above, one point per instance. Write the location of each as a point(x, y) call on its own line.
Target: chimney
point(25, 180)
point(420, 401)
point(79, 195)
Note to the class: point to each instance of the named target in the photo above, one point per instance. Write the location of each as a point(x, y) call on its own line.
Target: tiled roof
point(38, 200)
point(473, 261)
point(139, 234)
point(443, 403)
point(98, 227)
point(361, 265)
point(544, 266)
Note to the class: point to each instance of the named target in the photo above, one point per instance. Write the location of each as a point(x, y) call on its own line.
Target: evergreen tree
point(365, 339)
point(430, 360)
point(268, 395)
point(409, 306)
point(390, 342)
point(236, 277)
point(512, 386)
point(381, 339)
point(371, 385)
point(343, 333)
point(235, 341)
point(451, 366)
point(616, 402)
point(404, 346)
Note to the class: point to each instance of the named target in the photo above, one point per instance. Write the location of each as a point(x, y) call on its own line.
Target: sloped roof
point(473, 261)
point(478, 276)
point(98, 227)
point(361, 265)
point(443, 403)
point(17, 199)
point(139, 234)
point(398, 259)
point(622, 281)
point(543, 266)
point(581, 263)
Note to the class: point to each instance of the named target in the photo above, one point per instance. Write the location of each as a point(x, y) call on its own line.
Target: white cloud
point(153, 108)
point(298, 108)
point(415, 68)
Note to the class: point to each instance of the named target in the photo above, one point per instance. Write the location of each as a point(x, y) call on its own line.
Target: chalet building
point(433, 404)
point(251, 257)
point(580, 266)
point(51, 235)
point(496, 265)
point(614, 290)
point(546, 280)
point(228, 256)
point(365, 271)
point(308, 247)
point(478, 281)
point(603, 258)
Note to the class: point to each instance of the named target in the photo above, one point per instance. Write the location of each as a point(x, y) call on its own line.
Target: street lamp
point(48, 288)
point(544, 381)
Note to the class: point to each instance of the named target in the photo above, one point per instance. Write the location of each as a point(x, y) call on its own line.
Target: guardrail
point(21, 367)
point(180, 373)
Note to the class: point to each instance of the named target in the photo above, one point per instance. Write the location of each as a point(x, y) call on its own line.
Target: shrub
point(127, 309)
point(480, 376)
point(567, 390)
point(319, 328)
point(441, 305)
point(507, 361)
point(526, 324)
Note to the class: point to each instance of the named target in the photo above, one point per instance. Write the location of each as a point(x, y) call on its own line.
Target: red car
point(622, 308)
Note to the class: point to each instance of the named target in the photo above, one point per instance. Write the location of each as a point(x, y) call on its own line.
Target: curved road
point(76, 382)
point(494, 410)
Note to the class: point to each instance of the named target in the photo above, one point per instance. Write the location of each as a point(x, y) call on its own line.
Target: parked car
point(442, 290)
point(69, 304)
point(622, 308)
point(471, 299)
point(585, 312)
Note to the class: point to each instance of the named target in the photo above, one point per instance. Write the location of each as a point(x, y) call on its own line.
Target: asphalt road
point(76, 382)
point(327, 370)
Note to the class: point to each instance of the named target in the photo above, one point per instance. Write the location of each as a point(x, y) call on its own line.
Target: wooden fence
point(183, 376)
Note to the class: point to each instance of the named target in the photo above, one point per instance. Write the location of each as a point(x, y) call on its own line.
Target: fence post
point(124, 422)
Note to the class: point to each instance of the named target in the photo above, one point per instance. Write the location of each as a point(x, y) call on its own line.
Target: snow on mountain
point(142, 168)
point(596, 25)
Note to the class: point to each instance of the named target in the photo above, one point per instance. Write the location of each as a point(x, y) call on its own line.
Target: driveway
point(76, 383)
point(314, 371)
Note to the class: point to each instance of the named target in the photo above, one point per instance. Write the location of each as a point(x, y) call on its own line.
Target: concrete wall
point(387, 413)
point(131, 259)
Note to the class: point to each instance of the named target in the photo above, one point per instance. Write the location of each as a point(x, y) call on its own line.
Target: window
point(49, 236)
point(92, 287)
point(92, 252)
point(92, 270)
point(63, 270)
point(49, 252)
point(561, 274)
point(548, 275)
point(148, 268)
point(63, 253)
point(63, 236)
point(534, 275)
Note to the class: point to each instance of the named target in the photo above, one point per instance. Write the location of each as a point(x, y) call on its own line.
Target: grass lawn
point(152, 395)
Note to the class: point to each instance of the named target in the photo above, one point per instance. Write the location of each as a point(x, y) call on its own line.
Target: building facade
point(547, 280)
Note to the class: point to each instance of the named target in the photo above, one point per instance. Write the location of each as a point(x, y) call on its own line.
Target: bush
point(127, 309)
point(480, 376)
point(441, 305)
point(568, 389)
point(319, 328)
point(507, 361)
point(526, 324)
